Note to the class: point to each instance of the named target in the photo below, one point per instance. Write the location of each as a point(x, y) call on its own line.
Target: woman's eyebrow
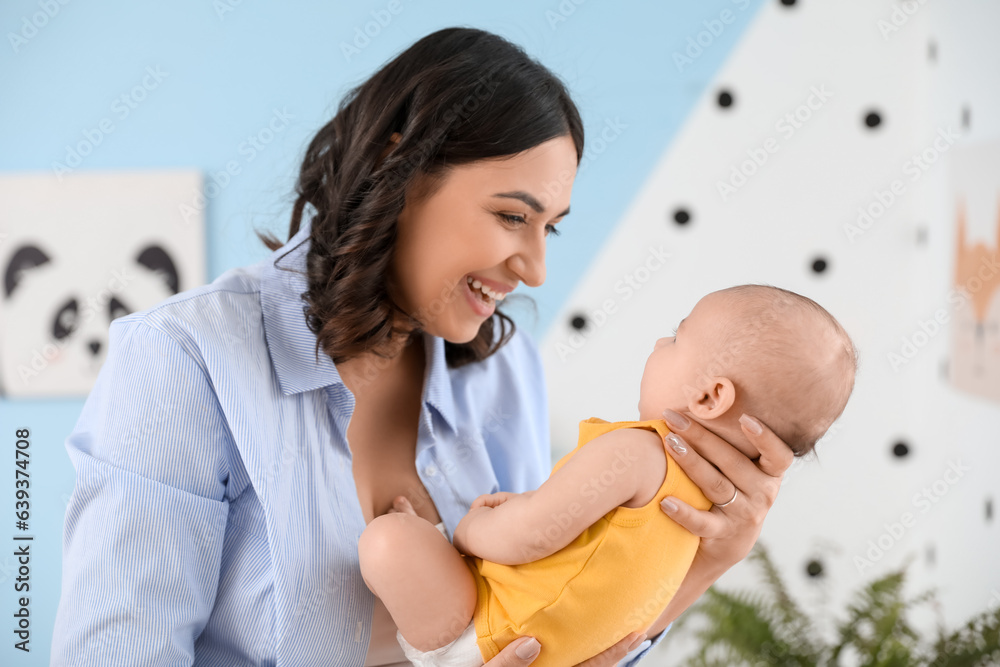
point(528, 199)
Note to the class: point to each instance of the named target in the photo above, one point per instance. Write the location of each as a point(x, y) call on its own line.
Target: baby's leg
point(420, 578)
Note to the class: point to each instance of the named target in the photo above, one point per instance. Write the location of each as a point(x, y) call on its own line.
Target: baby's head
point(762, 350)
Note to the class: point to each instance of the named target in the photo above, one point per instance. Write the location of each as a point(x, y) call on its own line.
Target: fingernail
point(751, 424)
point(677, 444)
point(636, 643)
point(676, 420)
point(528, 649)
point(668, 505)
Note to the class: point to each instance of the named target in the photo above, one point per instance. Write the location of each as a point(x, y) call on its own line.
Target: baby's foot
point(402, 504)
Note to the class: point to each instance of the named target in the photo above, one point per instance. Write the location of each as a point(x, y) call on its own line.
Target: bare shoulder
point(641, 452)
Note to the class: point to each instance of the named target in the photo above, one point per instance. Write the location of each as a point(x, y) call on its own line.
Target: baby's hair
point(793, 366)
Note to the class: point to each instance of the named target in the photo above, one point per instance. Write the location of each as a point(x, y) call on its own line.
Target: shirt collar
point(292, 344)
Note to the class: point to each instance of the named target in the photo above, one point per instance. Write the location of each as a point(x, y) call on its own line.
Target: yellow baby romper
point(615, 578)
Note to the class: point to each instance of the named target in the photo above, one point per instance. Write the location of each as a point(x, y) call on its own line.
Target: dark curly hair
point(456, 96)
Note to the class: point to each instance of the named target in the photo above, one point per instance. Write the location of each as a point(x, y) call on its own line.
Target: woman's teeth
point(490, 294)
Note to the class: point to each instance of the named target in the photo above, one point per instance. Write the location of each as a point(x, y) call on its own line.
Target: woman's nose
point(529, 263)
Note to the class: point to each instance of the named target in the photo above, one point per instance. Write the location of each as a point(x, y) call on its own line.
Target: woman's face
point(486, 221)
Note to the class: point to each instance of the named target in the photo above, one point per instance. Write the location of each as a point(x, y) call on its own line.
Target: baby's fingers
point(491, 500)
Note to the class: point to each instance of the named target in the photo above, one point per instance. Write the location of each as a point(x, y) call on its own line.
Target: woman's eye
point(512, 218)
point(675, 335)
point(519, 220)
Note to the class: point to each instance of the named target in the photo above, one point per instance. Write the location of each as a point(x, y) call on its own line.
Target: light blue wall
point(225, 67)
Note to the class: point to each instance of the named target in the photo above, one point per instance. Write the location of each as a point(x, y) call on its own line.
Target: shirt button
point(430, 470)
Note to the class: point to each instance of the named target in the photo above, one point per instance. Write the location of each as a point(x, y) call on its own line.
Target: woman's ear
point(712, 398)
point(393, 140)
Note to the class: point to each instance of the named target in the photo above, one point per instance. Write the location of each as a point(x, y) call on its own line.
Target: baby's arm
point(527, 527)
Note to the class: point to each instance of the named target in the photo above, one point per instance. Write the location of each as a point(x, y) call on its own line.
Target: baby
point(589, 556)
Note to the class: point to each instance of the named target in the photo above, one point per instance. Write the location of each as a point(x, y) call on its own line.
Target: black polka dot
point(966, 117)
point(931, 554)
point(681, 216)
point(900, 449)
point(819, 265)
point(921, 235)
point(932, 51)
point(725, 99)
point(814, 568)
point(873, 119)
point(788, 3)
point(989, 509)
point(578, 322)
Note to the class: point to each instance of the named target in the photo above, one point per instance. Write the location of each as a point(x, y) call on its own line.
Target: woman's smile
point(482, 304)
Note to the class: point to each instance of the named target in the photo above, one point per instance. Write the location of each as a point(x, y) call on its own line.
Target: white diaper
point(463, 652)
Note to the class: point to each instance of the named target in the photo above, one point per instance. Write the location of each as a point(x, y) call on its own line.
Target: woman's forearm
point(697, 580)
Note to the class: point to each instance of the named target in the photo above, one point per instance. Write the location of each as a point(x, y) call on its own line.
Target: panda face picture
point(62, 326)
point(66, 280)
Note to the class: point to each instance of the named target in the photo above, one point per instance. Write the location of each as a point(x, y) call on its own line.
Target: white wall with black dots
point(822, 159)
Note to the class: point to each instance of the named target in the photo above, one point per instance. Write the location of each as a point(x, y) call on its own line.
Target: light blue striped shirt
point(215, 519)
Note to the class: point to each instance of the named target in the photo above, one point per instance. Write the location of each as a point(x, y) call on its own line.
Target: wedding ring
point(735, 493)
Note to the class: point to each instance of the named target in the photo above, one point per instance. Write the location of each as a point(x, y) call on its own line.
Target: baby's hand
point(492, 500)
point(402, 504)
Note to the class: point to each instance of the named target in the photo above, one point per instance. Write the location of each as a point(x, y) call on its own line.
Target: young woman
point(241, 435)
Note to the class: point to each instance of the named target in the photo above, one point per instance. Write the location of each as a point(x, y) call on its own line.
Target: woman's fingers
point(614, 654)
point(529, 650)
point(730, 529)
point(516, 653)
point(712, 482)
point(775, 456)
point(733, 465)
point(698, 522)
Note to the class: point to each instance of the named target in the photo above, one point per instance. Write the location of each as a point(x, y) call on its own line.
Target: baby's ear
point(712, 399)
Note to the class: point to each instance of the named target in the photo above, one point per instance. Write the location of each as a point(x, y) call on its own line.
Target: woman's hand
point(725, 474)
point(509, 657)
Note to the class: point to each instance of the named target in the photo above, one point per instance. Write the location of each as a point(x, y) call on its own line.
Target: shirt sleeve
point(639, 652)
point(142, 540)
